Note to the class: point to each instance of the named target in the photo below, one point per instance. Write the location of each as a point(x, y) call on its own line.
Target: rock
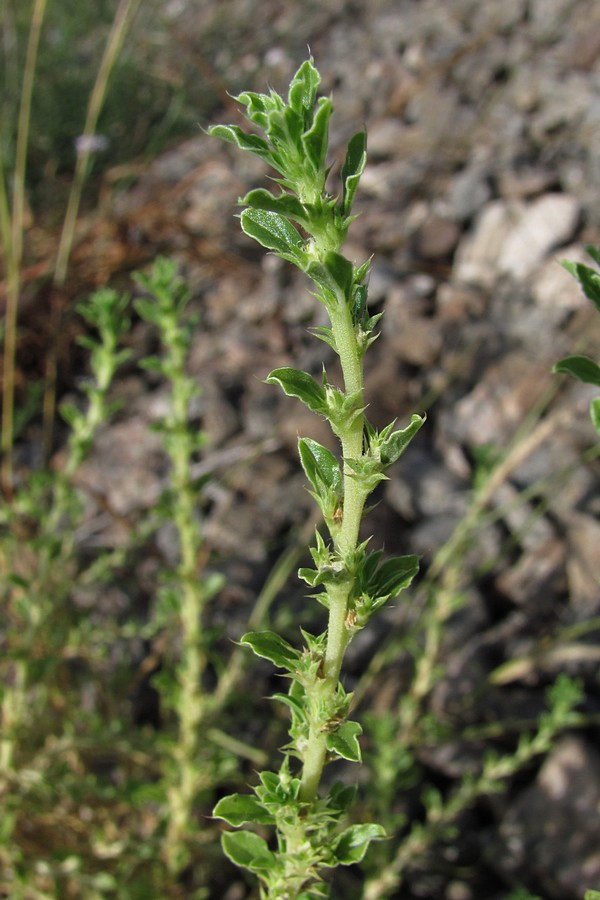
point(515, 238)
point(555, 290)
point(538, 227)
point(415, 339)
point(437, 238)
point(470, 192)
point(477, 257)
point(491, 412)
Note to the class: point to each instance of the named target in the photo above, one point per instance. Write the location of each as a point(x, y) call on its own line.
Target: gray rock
point(538, 227)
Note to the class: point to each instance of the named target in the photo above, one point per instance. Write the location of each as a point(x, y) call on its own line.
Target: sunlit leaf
point(354, 164)
point(269, 645)
point(247, 849)
point(274, 232)
point(240, 809)
point(344, 741)
point(353, 843)
point(299, 384)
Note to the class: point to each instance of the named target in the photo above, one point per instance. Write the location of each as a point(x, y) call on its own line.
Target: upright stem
point(13, 239)
point(345, 542)
point(120, 25)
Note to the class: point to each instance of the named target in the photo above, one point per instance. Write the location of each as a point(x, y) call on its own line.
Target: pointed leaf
point(581, 367)
point(292, 703)
point(354, 164)
point(588, 278)
point(240, 809)
point(334, 276)
point(320, 465)
point(396, 574)
point(594, 252)
point(303, 88)
point(269, 645)
point(316, 140)
point(353, 843)
point(344, 741)
point(235, 135)
point(299, 384)
point(256, 105)
point(274, 232)
point(285, 132)
point(247, 849)
point(341, 796)
point(394, 446)
point(285, 204)
point(324, 333)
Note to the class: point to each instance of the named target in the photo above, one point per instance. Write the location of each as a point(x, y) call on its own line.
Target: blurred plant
point(440, 813)
point(184, 595)
point(582, 367)
point(352, 583)
point(38, 569)
point(12, 215)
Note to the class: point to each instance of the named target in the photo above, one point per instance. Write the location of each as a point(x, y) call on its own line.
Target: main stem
point(345, 542)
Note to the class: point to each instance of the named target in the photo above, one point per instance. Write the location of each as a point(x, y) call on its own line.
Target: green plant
point(36, 584)
point(187, 590)
point(440, 813)
point(307, 226)
point(582, 367)
point(12, 213)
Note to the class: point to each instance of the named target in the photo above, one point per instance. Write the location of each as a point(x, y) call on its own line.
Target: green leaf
point(344, 741)
point(341, 796)
point(324, 333)
point(260, 106)
point(240, 809)
point(303, 90)
point(269, 645)
point(235, 135)
point(285, 204)
point(285, 133)
point(594, 252)
point(581, 367)
point(353, 843)
point(334, 276)
point(394, 446)
point(295, 705)
point(354, 164)
point(299, 384)
point(396, 574)
point(320, 465)
point(588, 278)
point(247, 849)
point(316, 140)
point(274, 232)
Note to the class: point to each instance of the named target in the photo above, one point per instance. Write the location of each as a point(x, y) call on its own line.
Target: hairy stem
point(346, 541)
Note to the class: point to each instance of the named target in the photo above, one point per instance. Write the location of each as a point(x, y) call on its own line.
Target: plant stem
point(345, 543)
point(120, 25)
point(13, 239)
